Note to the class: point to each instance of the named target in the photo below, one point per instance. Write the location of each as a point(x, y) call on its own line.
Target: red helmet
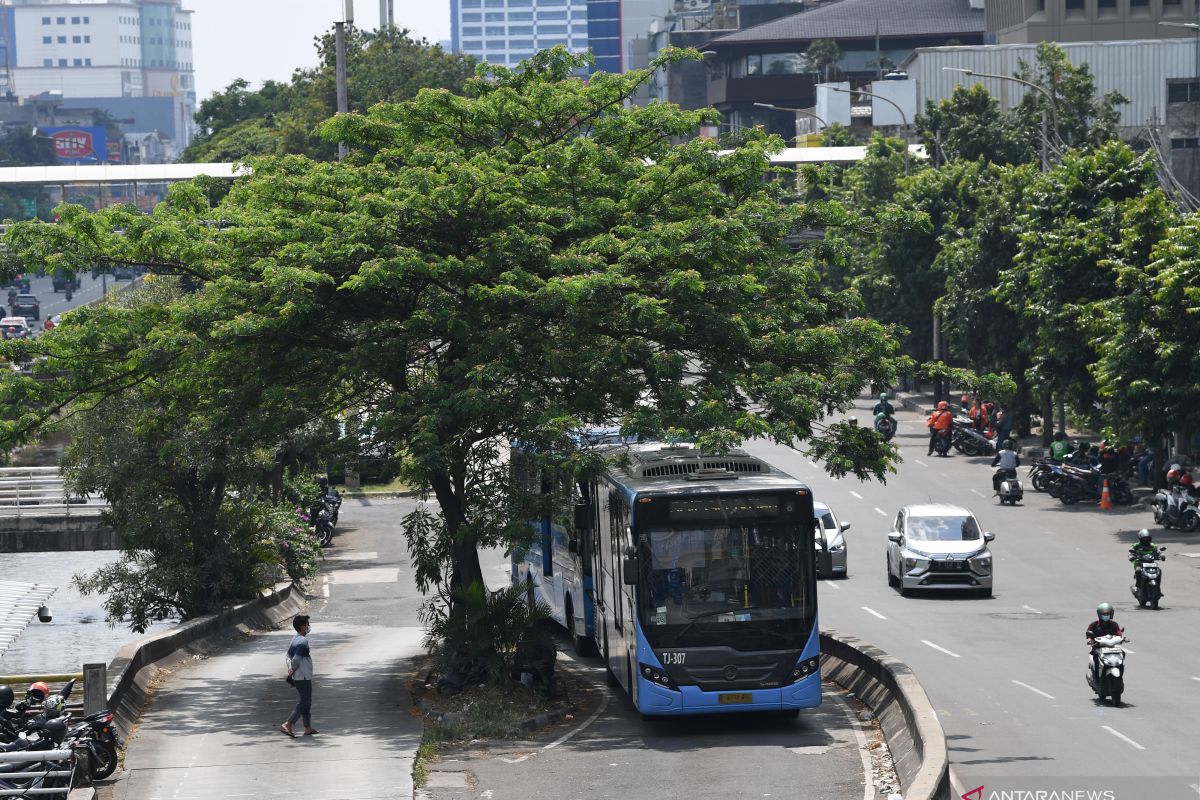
point(38, 691)
point(942, 405)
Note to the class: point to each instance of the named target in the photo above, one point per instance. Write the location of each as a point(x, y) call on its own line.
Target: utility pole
point(339, 36)
point(387, 15)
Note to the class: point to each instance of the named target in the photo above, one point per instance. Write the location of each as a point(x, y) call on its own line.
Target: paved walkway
point(211, 730)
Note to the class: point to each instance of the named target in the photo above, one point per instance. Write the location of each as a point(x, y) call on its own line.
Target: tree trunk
point(464, 553)
point(1047, 418)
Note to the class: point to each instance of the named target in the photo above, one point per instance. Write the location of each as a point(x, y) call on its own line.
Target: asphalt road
point(56, 302)
point(1006, 675)
point(211, 730)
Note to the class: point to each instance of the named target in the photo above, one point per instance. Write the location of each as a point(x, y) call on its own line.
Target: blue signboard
point(78, 144)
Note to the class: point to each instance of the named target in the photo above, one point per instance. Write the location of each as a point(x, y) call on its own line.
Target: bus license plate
point(730, 699)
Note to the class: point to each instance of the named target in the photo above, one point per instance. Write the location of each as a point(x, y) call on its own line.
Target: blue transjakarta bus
point(556, 568)
point(703, 573)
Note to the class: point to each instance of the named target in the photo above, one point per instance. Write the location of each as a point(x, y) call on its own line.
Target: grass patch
point(427, 753)
point(490, 711)
point(395, 485)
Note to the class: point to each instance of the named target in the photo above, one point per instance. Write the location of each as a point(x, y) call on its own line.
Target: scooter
point(323, 524)
point(1175, 508)
point(1110, 656)
point(1010, 489)
point(1147, 578)
point(969, 441)
point(941, 444)
point(885, 426)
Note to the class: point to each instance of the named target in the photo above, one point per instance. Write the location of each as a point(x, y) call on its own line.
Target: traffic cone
point(1105, 498)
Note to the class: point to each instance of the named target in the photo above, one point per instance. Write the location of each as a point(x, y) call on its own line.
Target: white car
point(832, 552)
point(938, 547)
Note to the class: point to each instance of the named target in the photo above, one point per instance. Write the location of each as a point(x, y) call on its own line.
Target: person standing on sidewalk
point(300, 675)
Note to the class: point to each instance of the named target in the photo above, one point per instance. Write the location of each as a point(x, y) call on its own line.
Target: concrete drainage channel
point(896, 698)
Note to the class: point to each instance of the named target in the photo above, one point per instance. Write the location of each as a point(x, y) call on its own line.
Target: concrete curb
point(893, 693)
point(137, 663)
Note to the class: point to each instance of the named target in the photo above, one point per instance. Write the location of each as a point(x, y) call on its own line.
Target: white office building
point(508, 31)
point(103, 50)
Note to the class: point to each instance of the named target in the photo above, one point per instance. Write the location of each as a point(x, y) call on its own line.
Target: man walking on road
point(300, 675)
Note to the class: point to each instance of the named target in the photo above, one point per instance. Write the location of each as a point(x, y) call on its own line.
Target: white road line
point(938, 647)
point(813, 464)
point(832, 585)
point(856, 494)
point(880, 511)
point(856, 726)
point(1196, 679)
point(919, 461)
point(1035, 691)
point(325, 590)
point(976, 491)
point(595, 715)
point(872, 612)
point(1031, 608)
point(1122, 737)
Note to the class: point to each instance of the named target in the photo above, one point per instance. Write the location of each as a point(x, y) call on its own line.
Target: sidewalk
point(211, 729)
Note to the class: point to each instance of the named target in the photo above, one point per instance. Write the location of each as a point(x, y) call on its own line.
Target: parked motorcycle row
point(40, 722)
point(1072, 483)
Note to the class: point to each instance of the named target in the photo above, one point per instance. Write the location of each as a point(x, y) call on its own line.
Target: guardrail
point(26, 491)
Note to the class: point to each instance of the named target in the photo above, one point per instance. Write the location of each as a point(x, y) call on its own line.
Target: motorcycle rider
point(1081, 457)
point(882, 410)
point(1105, 625)
point(1144, 547)
point(1008, 461)
point(939, 423)
point(1110, 461)
point(1059, 447)
point(1003, 428)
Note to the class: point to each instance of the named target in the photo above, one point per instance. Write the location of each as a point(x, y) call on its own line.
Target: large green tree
point(515, 262)
point(384, 66)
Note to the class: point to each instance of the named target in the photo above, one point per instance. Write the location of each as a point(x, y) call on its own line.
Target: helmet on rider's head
point(6, 697)
point(1176, 467)
point(37, 692)
point(1008, 444)
point(883, 397)
point(1143, 535)
point(322, 480)
point(853, 421)
point(943, 405)
point(1104, 612)
point(1059, 436)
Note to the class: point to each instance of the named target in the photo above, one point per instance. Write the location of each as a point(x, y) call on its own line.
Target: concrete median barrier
point(896, 697)
point(132, 672)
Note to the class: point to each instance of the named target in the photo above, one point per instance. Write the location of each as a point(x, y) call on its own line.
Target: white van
point(14, 328)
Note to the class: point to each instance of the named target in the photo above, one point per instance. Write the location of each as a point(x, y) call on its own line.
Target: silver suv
point(938, 547)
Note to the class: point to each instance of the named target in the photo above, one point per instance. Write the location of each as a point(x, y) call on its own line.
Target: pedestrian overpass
point(97, 186)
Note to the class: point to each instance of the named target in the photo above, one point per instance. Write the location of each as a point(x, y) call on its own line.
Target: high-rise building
point(104, 52)
point(508, 31)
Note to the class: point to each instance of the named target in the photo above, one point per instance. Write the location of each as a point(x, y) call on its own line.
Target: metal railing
point(27, 491)
point(50, 758)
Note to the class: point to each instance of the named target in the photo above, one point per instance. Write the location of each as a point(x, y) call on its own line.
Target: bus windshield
point(749, 586)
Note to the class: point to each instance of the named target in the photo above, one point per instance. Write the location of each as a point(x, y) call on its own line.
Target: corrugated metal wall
point(1138, 69)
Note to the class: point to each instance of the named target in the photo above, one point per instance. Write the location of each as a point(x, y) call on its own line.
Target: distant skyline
point(263, 40)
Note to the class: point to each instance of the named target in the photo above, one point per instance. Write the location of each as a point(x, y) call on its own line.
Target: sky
point(268, 39)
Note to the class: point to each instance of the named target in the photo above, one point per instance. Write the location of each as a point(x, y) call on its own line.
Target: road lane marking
point(1189, 555)
point(325, 590)
point(1196, 679)
point(942, 649)
point(1031, 608)
point(919, 461)
point(880, 511)
point(863, 753)
point(873, 612)
point(1035, 691)
point(856, 494)
point(1122, 737)
point(976, 491)
point(832, 585)
point(595, 715)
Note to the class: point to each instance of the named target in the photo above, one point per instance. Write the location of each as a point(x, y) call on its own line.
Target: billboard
point(78, 144)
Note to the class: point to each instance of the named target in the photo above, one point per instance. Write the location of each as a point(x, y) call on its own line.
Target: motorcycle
point(333, 501)
point(1082, 483)
point(1010, 489)
point(1175, 508)
point(322, 521)
point(1109, 657)
point(969, 441)
point(1147, 578)
point(97, 733)
point(941, 444)
point(885, 426)
point(1042, 474)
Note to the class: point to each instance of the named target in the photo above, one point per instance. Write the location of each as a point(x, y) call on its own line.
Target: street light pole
point(800, 111)
point(893, 104)
point(339, 41)
point(1049, 100)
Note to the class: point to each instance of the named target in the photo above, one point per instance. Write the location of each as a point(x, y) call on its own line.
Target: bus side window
point(617, 523)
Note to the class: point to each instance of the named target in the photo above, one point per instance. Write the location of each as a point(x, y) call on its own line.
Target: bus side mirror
point(629, 570)
point(583, 517)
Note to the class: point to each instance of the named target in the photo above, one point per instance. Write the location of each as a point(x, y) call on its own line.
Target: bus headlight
point(810, 666)
point(656, 675)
